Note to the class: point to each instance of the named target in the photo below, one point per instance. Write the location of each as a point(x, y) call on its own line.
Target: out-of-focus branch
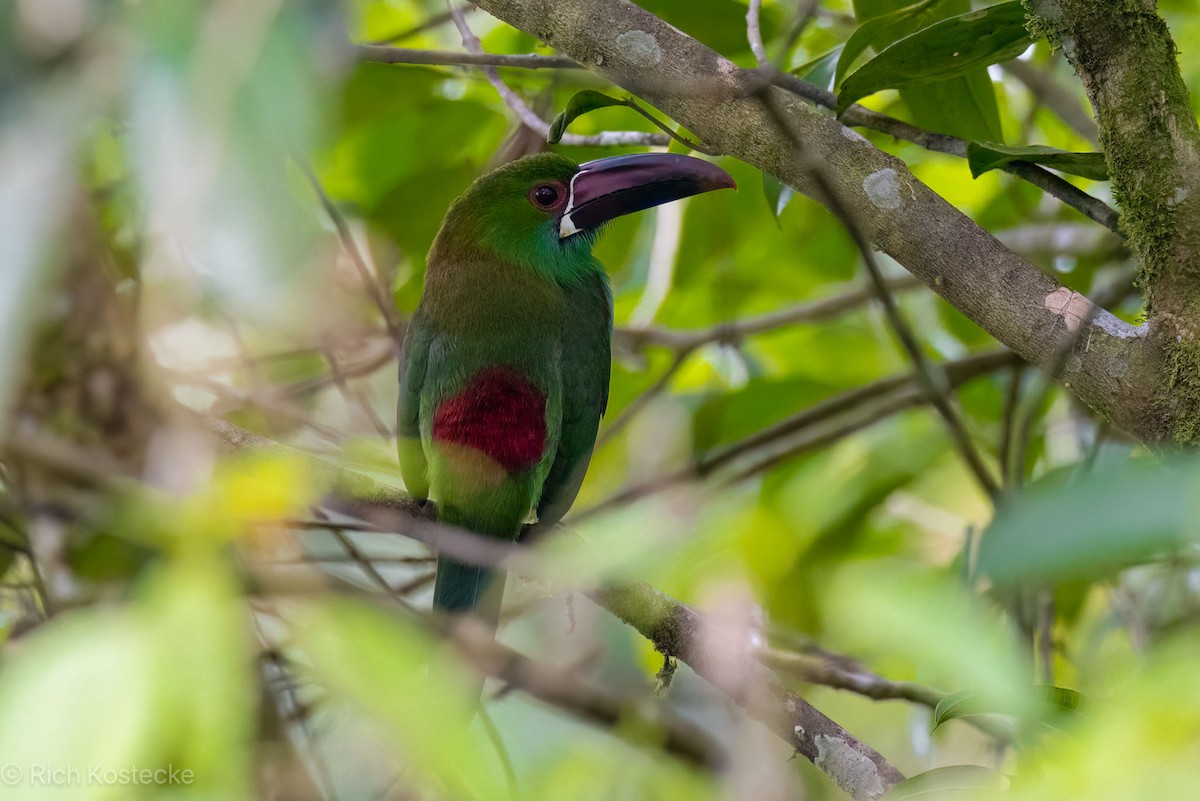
point(387, 308)
point(675, 629)
point(930, 377)
point(1116, 369)
point(563, 690)
point(685, 343)
point(682, 341)
point(818, 425)
point(1042, 84)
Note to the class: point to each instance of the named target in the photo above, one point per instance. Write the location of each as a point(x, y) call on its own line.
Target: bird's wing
point(414, 357)
point(586, 364)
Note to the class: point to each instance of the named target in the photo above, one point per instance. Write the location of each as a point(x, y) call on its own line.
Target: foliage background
point(168, 604)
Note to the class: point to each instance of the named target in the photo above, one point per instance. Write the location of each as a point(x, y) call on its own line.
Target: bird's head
point(544, 211)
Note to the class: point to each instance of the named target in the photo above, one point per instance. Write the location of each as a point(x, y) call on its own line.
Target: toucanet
point(505, 367)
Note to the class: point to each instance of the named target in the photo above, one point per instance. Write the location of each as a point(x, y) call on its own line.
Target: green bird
point(505, 367)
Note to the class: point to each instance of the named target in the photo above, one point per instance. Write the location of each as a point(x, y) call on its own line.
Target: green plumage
point(504, 291)
point(505, 369)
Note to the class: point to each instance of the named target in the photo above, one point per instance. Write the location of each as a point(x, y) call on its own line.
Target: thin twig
point(450, 58)
point(642, 400)
point(529, 117)
point(845, 414)
point(930, 377)
point(386, 306)
point(436, 21)
point(355, 397)
point(855, 116)
point(842, 673)
point(863, 117)
point(633, 338)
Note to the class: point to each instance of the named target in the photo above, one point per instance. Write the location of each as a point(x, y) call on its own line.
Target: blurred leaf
point(947, 49)
point(887, 607)
point(969, 704)
point(1060, 697)
point(948, 783)
point(580, 103)
point(1110, 518)
point(985, 156)
point(398, 675)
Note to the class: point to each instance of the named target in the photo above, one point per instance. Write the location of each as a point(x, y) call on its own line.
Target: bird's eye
point(544, 196)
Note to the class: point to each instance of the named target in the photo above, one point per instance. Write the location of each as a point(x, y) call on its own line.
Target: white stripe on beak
point(566, 226)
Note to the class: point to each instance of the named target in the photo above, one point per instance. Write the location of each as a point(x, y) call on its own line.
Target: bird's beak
point(607, 188)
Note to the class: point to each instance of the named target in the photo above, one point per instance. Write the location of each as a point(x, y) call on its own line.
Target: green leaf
point(969, 704)
point(950, 48)
point(985, 156)
point(1060, 697)
point(1110, 518)
point(874, 30)
point(964, 106)
point(820, 71)
point(777, 193)
point(580, 103)
point(949, 782)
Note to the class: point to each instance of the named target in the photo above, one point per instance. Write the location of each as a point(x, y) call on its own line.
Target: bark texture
point(1110, 365)
point(1125, 57)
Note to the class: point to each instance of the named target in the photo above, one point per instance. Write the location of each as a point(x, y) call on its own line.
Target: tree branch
point(675, 629)
point(529, 118)
point(1114, 368)
point(447, 58)
point(1123, 53)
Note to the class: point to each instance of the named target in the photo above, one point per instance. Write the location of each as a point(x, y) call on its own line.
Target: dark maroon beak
point(607, 188)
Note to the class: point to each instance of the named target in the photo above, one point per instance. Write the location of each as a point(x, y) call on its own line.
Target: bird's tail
point(461, 588)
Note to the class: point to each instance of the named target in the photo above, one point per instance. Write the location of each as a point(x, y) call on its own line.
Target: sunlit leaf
point(985, 156)
point(950, 784)
point(947, 49)
point(875, 28)
point(777, 193)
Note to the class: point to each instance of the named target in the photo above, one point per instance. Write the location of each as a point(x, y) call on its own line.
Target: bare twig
point(436, 21)
point(1042, 84)
point(678, 736)
point(863, 117)
point(674, 628)
point(842, 673)
point(930, 377)
point(643, 400)
point(387, 307)
point(529, 117)
point(450, 58)
point(811, 428)
point(633, 338)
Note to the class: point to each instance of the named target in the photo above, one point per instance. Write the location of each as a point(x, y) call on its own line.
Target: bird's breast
point(499, 413)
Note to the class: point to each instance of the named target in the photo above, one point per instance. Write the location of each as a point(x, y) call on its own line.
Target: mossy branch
point(1123, 53)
